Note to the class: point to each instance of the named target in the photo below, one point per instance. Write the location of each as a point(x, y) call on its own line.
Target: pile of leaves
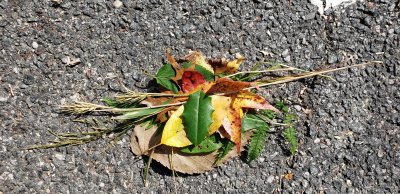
point(205, 113)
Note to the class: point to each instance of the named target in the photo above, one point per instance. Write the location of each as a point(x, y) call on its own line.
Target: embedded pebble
point(117, 4)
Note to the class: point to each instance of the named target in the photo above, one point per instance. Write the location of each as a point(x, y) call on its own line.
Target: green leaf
point(197, 117)
point(208, 145)
point(186, 65)
point(148, 123)
point(117, 104)
point(251, 121)
point(257, 143)
point(290, 135)
point(168, 84)
point(166, 71)
point(138, 113)
point(227, 146)
point(164, 75)
point(208, 75)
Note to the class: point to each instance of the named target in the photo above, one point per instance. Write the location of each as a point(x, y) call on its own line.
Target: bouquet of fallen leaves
point(205, 113)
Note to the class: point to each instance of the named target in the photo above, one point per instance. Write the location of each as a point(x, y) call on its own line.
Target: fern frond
point(257, 143)
point(290, 135)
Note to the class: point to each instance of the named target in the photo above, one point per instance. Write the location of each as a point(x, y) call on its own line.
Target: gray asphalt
point(349, 130)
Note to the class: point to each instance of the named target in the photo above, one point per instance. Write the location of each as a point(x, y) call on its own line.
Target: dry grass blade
point(84, 107)
point(310, 74)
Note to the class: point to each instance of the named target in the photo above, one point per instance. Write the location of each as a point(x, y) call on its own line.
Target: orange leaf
point(226, 85)
point(233, 125)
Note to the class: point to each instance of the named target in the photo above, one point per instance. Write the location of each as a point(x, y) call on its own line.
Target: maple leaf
point(221, 106)
point(174, 134)
point(233, 124)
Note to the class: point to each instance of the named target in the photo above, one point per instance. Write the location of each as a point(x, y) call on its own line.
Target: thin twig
point(261, 71)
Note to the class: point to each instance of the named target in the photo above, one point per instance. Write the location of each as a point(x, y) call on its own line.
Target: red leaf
point(190, 80)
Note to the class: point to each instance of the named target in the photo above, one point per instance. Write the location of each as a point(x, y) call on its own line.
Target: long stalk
point(310, 74)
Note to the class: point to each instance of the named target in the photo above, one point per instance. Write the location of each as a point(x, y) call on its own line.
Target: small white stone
point(380, 153)
point(348, 182)
point(317, 140)
point(3, 99)
point(214, 175)
point(101, 185)
point(117, 4)
point(35, 45)
point(270, 179)
point(59, 156)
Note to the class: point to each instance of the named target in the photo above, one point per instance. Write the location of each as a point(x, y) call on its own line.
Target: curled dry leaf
point(142, 140)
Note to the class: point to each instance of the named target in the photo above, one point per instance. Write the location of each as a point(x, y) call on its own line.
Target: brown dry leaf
point(224, 66)
point(289, 176)
point(142, 140)
point(226, 85)
point(156, 101)
point(219, 65)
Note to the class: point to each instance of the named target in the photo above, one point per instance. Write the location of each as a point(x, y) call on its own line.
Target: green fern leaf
point(290, 135)
point(257, 142)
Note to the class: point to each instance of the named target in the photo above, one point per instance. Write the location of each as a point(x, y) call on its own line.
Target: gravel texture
point(55, 52)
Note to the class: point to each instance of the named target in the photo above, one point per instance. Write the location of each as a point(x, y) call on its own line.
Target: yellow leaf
point(234, 65)
point(221, 107)
point(174, 134)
